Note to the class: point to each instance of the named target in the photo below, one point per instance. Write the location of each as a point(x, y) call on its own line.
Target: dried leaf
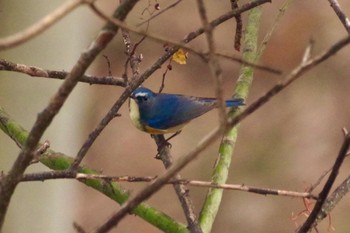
point(180, 57)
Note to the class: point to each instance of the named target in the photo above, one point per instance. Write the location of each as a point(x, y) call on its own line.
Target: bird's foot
point(161, 147)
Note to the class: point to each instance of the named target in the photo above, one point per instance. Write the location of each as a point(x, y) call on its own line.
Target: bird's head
point(140, 105)
point(142, 95)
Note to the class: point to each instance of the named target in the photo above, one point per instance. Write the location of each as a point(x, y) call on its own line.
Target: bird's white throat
point(135, 114)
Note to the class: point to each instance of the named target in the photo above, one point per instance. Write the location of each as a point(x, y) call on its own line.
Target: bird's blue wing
point(172, 110)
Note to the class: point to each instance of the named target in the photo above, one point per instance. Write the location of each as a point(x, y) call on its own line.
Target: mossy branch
point(221, 170)
point(58, 161)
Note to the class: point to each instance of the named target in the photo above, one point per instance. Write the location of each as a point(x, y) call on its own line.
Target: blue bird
point(168, 113)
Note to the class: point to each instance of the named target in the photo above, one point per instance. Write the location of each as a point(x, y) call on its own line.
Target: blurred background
point(287, 144)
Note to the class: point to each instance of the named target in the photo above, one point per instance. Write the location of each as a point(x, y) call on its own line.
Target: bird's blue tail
point(234, 102)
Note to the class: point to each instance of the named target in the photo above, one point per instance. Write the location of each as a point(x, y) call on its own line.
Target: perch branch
point(181, 189)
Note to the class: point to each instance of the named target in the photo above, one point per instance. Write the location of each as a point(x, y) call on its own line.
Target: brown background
point(287, 144)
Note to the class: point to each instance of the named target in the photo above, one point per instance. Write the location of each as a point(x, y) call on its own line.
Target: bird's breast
point(134, 113)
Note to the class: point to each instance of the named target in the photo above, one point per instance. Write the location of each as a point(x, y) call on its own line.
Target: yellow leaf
point(180, 57)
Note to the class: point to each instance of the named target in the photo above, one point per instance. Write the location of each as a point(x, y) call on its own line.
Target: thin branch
point(248, 63)
point(323, 175)
point(214, 65)
point(310, 221)
point(342, 17)
point(34, 30)
point(276, 22)
point(78, 228)
point(239, 26)
point(159, 13)
point(212, 136)
point(147, 73)
point(52, 175)
point(43, 73)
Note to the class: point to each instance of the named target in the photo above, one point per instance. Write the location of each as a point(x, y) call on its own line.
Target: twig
point(42, 25)
point(108, 65)
point(51, 175)
point(41, 150)
point(43, 73)
point(9, 183)
point(159, 13)
point(168, 68)
point(214, 65)
point(342, 17)
point(78, 228)
point(239, 26)
point(318, 181)
point(276, 21)
point(212, 136)
point(310, 221)
point(335, 197)
point(248, 63)
point(147, 73)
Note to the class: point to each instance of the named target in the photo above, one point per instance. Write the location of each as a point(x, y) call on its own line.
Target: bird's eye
point(142, 98)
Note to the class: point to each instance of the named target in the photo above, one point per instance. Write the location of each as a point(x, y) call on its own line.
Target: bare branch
point(247, 63)
point(196, 183)
point(310, 221)
point(276, 21)
point(78, 228)
point(43, 73)
point(160, 12)
point(239, 26)
point(39, 27)
point(214, 65)
point(342, 17)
